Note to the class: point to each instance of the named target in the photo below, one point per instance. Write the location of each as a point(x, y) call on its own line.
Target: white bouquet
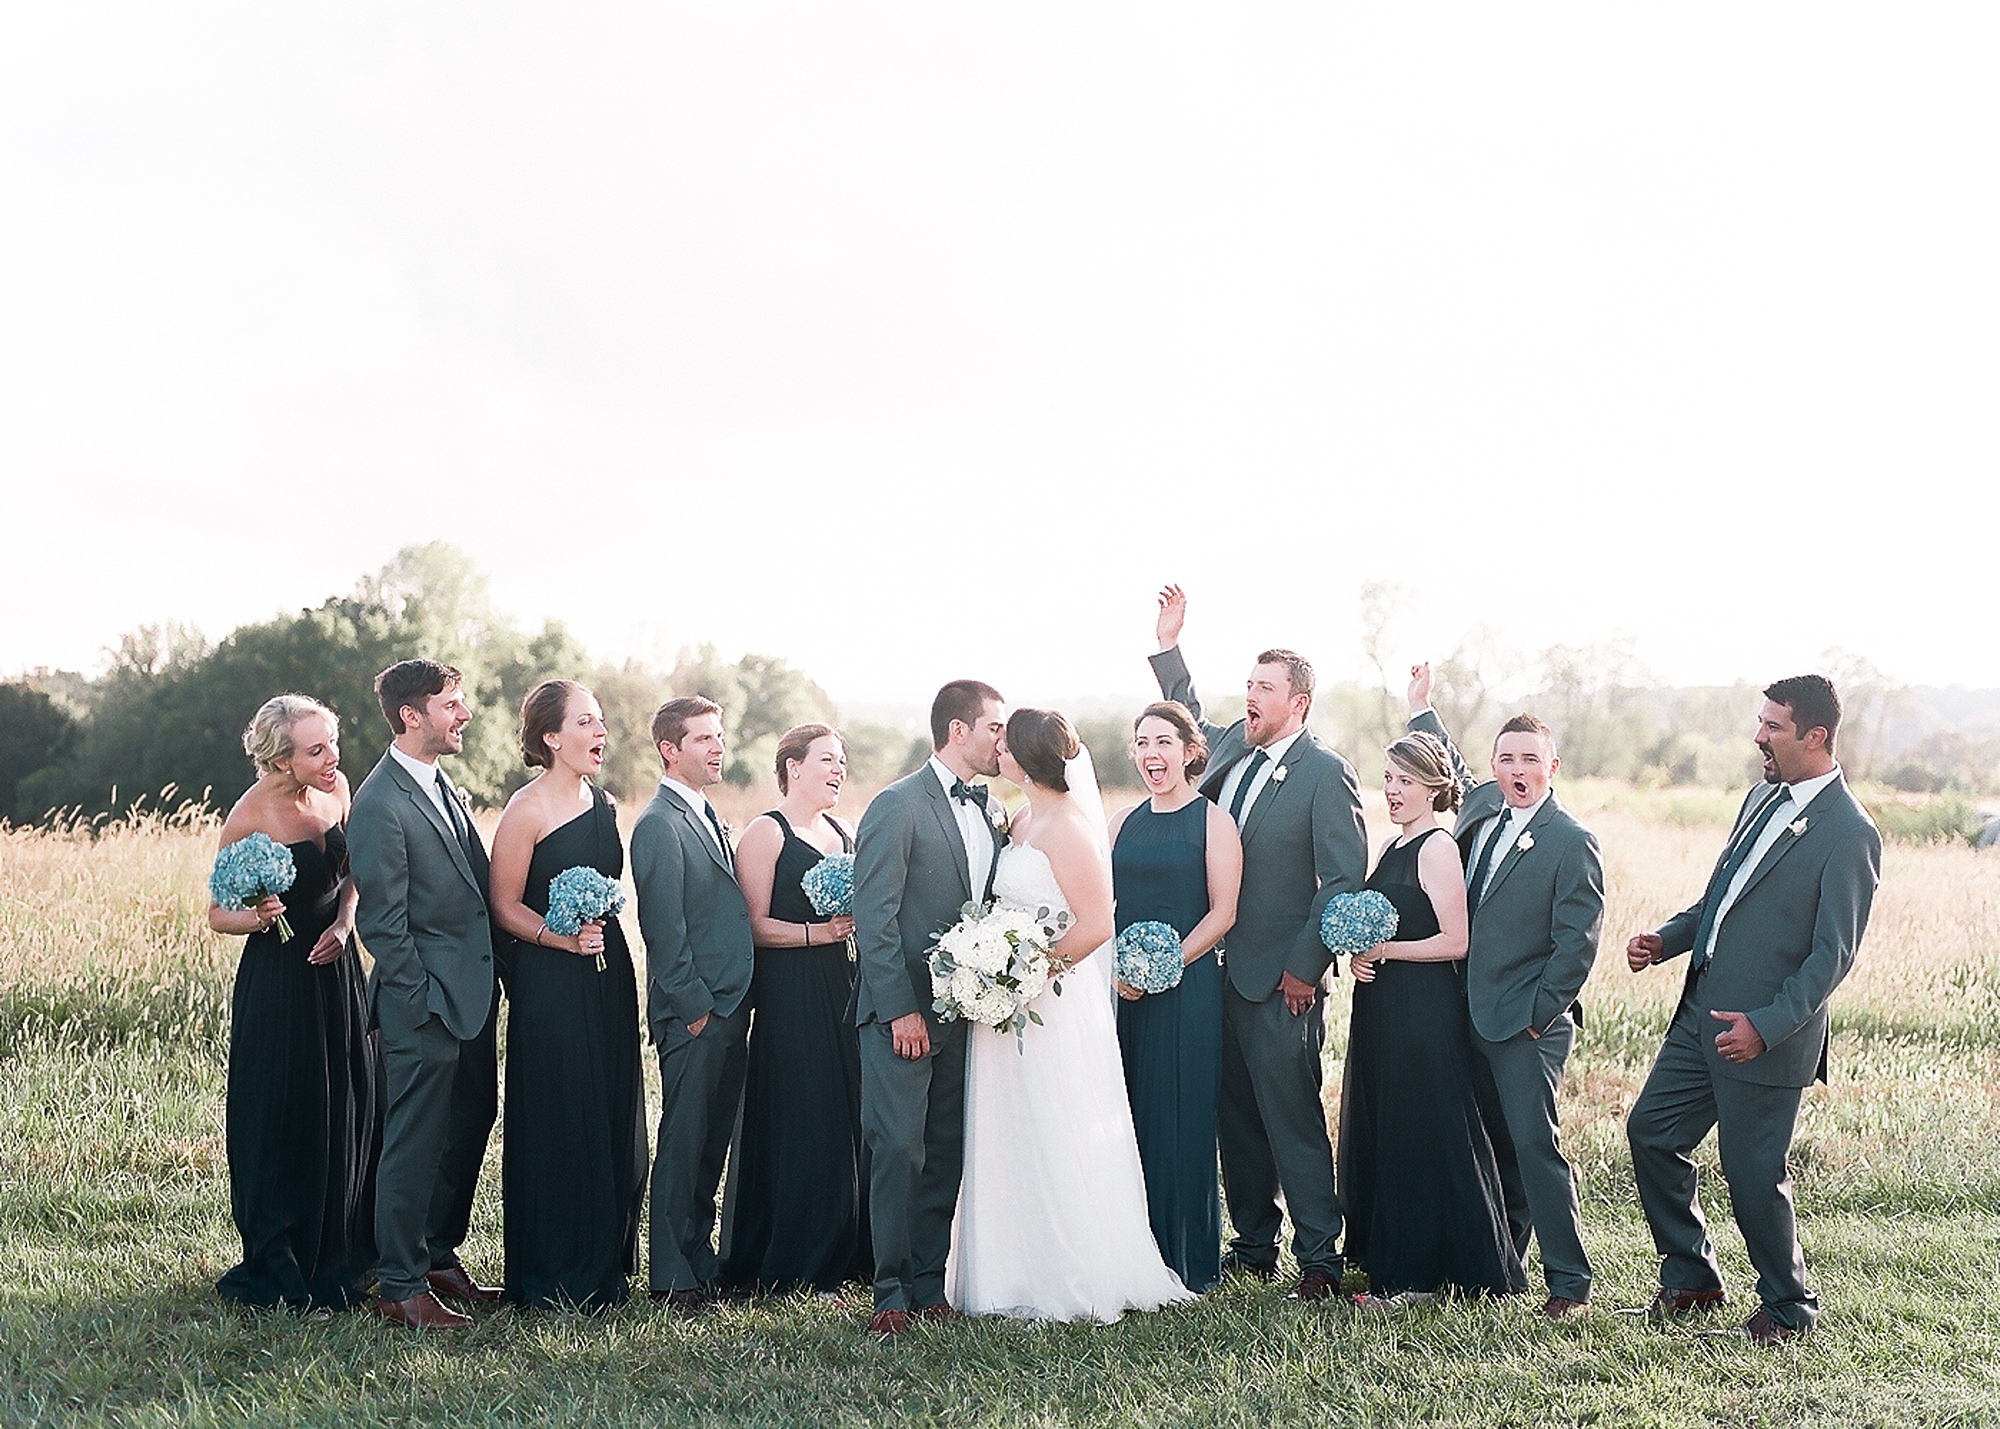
point(993, 962)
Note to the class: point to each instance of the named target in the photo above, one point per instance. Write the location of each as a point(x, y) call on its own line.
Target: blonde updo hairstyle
point(267, 739)
point(1423, 757)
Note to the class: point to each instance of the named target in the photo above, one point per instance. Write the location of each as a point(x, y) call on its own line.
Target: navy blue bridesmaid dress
point(1172, 1041)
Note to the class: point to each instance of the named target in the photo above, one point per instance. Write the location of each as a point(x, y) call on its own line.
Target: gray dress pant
point(1516, 1083)
point(913, 1120)
point(1271, 1131)
point(701, 1087)
point(1681, 1101)
point(443, 1095)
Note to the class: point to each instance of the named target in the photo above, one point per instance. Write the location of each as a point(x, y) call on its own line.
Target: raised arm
point(1423, 717)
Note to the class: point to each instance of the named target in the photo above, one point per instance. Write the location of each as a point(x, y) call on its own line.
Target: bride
point(1052, 1220)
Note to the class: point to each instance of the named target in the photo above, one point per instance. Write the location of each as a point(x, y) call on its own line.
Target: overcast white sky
point(912, 341)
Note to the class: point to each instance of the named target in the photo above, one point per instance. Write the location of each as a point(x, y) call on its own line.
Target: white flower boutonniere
point(1799, 826)
point(996, 814)
point(1525, 842)
point(1278, 774)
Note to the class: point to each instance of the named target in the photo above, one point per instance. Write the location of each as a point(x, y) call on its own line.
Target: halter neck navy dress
point(1172, 1040)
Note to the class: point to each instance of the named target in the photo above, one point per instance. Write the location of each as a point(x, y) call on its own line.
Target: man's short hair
point(961, 700)
point(1813, 701)
point(1298, 671)
point(1527, 724)
point(671, 720)
point(412, 683)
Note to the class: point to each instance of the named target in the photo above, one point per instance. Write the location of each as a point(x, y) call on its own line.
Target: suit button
point(486, 957)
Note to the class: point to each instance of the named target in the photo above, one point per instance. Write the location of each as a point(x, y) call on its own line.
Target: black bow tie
point(964, 792)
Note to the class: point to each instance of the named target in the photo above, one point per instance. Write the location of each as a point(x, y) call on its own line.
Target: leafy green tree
point(35, 732)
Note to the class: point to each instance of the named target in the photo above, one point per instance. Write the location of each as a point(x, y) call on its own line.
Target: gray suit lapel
point(1509, 857)
point(1274, 785)
point(702, 836)
point(1812, 814)
point(940, 803)
point(429, 810)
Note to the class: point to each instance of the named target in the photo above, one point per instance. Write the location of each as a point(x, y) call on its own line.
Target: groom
point(926, 847)
point(1299, 811)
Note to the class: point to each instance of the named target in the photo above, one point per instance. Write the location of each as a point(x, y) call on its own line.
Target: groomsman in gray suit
point(698, 965)
point(421, 872)
point(1771, 937)
point(1534, 889)
point(926, 847)
point(1299, 810)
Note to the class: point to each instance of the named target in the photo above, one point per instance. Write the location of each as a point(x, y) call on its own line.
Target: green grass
point(114, 1223)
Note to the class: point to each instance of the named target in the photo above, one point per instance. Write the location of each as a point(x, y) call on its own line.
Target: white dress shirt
point(1276, 749)
point(426, 776)
point(1780, 827)
point(972, 827)
point(697, 802)
point(1508, 824)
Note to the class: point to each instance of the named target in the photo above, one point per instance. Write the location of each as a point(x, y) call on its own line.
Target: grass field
point(114, 1217)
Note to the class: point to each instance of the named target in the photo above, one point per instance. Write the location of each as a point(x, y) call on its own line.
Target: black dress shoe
point(1234, 1263)
point(687, 1302)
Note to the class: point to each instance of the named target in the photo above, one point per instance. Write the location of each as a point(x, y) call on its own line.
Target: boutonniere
point(1799, 826)
point(996, 815)
point(1525, 842)
point(464, 799)
point(1278, 774)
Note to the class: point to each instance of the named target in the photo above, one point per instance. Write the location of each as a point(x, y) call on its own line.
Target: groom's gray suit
point(1534, 938)
point(911, 879)
point(1780, 949)
point(1303, 842)
point(423, 917)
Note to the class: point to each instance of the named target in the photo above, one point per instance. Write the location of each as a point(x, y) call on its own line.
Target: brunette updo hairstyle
point(794, 744)
point(1182, 719)
point(1424, 757)
point(1042, 742)
point(542, 714)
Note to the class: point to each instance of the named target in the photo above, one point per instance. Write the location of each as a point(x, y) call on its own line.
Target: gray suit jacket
point(422, 913)
point(692, 915)
point(1535, 937)
point(1303, 842)
point(910, 883)
point(1789, 938)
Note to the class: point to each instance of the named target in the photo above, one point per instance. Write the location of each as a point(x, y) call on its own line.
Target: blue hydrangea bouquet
point(251, 870)
point(829, 887)
point(1149, 957)
point(582, 895)
point(1355, 922)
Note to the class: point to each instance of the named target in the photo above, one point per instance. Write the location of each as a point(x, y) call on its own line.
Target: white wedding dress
point(1051, 1220)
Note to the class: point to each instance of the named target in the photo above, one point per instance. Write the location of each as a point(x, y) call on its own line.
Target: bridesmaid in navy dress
point(796, 1212)
point(1176, 859)
point(304, 1115)
point(1418, 1180)
point(573, 1164)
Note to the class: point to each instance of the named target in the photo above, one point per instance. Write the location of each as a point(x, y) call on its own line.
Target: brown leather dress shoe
point(888, 1324)
point(939, 1314)
point(1672, 1304)
point(687, 1302)
point(1315, 1285)
point(452, 1283)
point(1764, 1328)
point(1561, 1307)
point(422, 1311)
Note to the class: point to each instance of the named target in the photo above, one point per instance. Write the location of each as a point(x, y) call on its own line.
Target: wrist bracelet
point(538, 934)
